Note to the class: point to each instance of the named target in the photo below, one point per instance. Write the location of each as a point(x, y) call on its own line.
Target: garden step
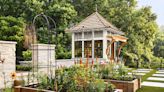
point(158, 75)
point(153, 84)
point(156, 78)
point(160, 72)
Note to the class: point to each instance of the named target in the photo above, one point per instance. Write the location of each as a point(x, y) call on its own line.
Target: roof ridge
point(110, 25)
point(98, 15)
point(84, 19)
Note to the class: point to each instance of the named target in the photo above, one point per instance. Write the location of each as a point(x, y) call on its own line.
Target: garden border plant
point(75, 78)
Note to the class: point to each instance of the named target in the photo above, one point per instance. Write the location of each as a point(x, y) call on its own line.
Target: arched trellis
point(35, 64)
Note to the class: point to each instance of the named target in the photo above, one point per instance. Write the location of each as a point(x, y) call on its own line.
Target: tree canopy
point(12, 29)
point(159, 43)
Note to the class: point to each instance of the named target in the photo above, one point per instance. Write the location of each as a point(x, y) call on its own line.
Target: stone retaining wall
point(7, 52)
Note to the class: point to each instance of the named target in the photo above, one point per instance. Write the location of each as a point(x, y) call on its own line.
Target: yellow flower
point(13, 75)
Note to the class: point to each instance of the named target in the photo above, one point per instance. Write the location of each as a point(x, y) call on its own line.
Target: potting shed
point(90, 38)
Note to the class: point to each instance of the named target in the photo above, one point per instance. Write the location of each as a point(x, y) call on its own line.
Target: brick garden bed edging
point(127, 86)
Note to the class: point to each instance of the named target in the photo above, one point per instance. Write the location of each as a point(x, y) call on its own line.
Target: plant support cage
point(48, 26)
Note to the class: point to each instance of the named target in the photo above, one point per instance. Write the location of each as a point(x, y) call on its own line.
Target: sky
point(157, 8)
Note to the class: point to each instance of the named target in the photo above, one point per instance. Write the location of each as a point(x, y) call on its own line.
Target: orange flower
point(86, 65)
point(92, 63)
point(81, 61)
point(13, 75)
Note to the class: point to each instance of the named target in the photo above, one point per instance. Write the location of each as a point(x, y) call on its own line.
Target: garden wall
point(41, 54)
point(7, 56)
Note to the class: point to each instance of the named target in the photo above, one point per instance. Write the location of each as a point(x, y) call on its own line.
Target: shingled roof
point(95, 22)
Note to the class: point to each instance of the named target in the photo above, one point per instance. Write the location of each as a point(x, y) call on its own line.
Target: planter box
point(28, 89)
point(127, 86)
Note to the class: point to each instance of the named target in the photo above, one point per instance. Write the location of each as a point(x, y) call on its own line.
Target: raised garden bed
point(127, 86)
point(29, 89)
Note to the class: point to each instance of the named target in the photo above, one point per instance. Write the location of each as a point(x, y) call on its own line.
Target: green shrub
point(64, 55)
point(115, 72)
point(27, 55)
point(23, 68)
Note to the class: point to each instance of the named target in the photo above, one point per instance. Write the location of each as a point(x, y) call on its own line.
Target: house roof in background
point(93, 22)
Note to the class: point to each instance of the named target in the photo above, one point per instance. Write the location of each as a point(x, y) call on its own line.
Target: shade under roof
point(93, 22)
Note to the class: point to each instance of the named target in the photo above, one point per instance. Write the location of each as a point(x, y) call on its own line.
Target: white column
point(104, 44)
point(93, 46)
point(115, 48)
point(82, 44)
point(73, 46)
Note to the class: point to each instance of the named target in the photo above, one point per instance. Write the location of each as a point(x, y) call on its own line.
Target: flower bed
point(76, 78)
point(87, 78)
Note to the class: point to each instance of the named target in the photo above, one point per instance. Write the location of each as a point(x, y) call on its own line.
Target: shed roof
point(93, 22)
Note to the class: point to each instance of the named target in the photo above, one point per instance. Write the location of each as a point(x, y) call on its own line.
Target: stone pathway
point(156, 80)
point(141, 72)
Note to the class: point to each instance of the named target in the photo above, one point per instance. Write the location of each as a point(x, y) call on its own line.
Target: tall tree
point(159, 43)
point(12, 29)
point(61, 11)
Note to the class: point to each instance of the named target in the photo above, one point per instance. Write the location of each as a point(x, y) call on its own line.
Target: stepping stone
point(139, 71)
point(156, 79)
point(129, 68)
point(144, 69)
point(153, 84)
point(137, 74)
point(158, 75)
point(160, 72)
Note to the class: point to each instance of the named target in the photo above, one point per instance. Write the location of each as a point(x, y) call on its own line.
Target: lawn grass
point(149, 89)
point(7, 90)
